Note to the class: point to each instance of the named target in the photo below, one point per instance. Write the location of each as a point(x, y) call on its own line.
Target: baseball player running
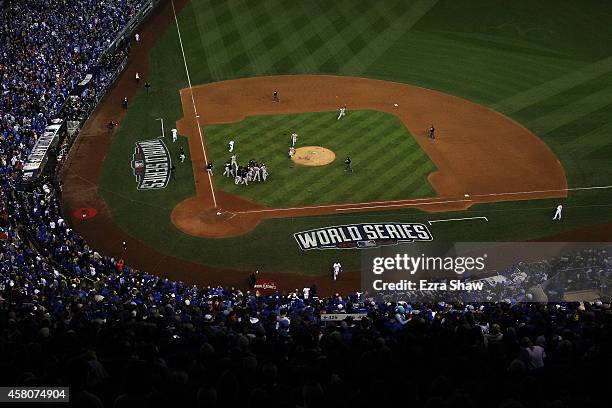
point(174, 135)
point(342, 112)
point(231, 146)
point(557, 216)
point(294, 138)
point(337, 268)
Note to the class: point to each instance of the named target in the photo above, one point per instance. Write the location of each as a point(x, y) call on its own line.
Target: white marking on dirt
point(458, 219)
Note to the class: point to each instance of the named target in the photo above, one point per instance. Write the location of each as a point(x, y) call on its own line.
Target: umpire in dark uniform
point(349, 164)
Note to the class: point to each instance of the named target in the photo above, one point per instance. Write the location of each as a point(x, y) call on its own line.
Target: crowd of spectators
point(120, 337)
point(127, 338)
point(81, 103)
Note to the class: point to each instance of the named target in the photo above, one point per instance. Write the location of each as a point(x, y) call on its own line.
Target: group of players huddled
point(252, 172)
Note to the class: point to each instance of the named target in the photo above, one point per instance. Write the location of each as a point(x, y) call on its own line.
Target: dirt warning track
point(481, 155)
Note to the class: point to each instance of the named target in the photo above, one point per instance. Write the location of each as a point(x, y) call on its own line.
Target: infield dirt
point(481, 155)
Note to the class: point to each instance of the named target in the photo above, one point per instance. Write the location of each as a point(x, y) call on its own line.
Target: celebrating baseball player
point(252, 172)
point(227, 169)
point(234, 163)
point(264, 172)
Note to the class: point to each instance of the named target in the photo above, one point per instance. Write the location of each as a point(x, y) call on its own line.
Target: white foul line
point(458, 219)
point(313, 207)
point(415, 201)
point(212, 189)
point(544, 191)
point(407, 204)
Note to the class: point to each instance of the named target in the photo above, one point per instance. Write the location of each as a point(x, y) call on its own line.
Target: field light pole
point(162, 125)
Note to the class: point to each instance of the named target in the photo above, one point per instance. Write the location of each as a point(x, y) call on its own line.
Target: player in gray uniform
point(238, 177)
point(257, 172)
point(244, 176)
point(227, 169)
point(294, 138)
point(264, 172)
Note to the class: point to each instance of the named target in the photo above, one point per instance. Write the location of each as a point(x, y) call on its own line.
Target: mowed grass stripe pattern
point(246, 38)
point(388, 163)
point(516, 62)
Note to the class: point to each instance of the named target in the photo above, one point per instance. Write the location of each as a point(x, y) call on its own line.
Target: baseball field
point(520, 94)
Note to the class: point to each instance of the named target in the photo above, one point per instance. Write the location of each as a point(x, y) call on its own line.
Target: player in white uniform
point(291, 152)
point(337, 267)
point(174, 135)
point(558, 212)
point(257, 173)
point(294, 138)
point(234, 164)
point(342, 112)
point(231, 146)
point(264, 172)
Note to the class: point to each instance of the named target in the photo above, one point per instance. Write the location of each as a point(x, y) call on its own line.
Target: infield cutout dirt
point(481, 155)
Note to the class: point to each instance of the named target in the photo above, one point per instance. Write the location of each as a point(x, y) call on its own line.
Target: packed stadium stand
point(120, 337)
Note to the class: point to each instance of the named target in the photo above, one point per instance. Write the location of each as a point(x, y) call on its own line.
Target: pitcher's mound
point(313, 156)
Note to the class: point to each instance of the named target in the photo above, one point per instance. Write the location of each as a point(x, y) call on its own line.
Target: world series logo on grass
point(362, 236)
point(151, 164)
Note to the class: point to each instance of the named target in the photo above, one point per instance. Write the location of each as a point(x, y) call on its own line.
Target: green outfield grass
point(378, 143)
point(546, 64)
